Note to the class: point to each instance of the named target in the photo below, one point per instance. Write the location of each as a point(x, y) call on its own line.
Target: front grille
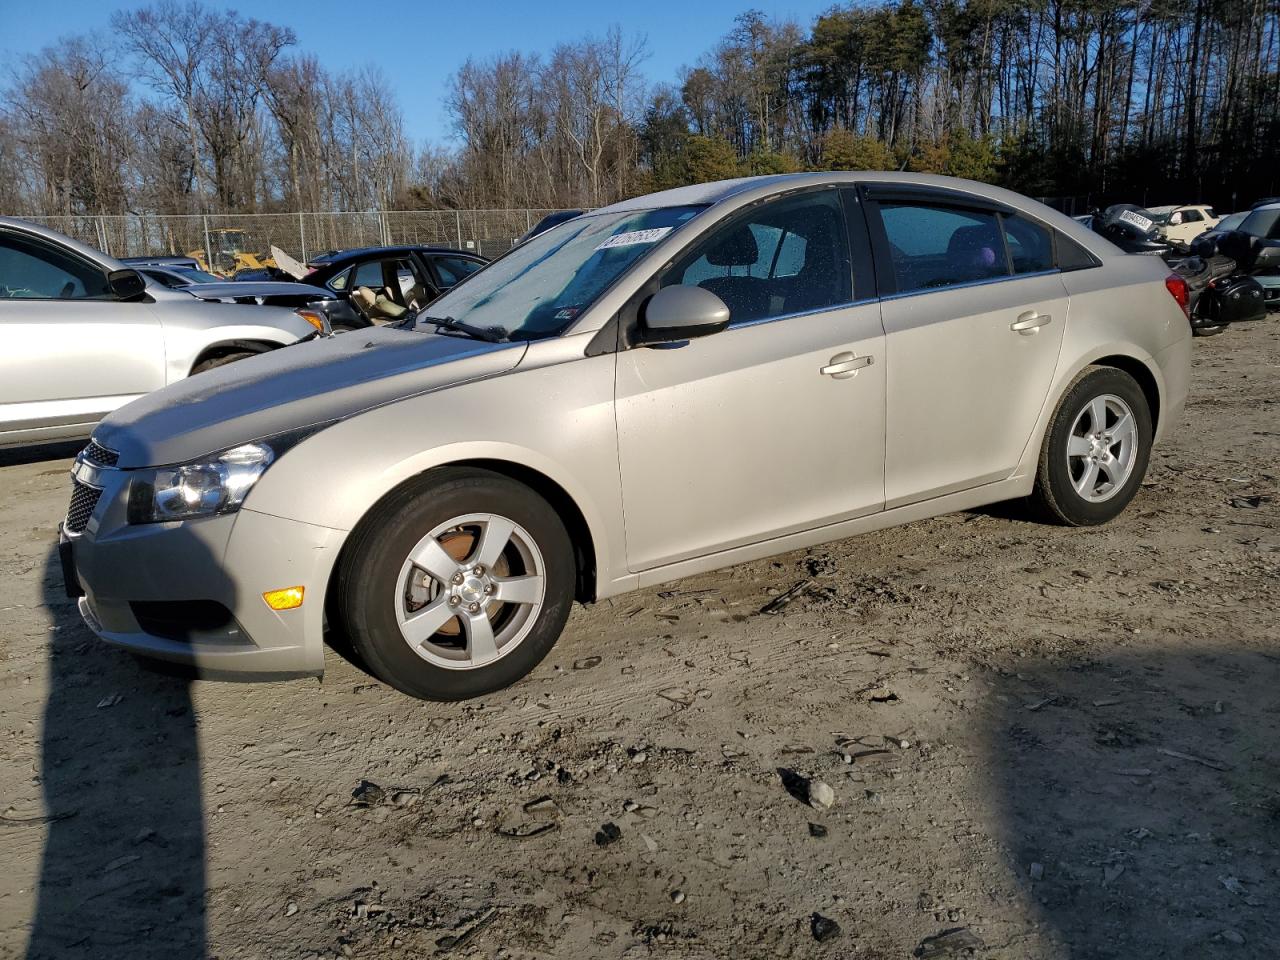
point(83, 499)
point(97, 454)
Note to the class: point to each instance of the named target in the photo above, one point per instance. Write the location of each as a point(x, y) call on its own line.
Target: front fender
point(191, 329)
point(550, 415)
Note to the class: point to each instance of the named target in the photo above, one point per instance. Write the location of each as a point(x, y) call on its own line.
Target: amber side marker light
point(286, 599)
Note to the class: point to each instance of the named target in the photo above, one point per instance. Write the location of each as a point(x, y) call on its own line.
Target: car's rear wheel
point(1096, 450)
point(457, 586)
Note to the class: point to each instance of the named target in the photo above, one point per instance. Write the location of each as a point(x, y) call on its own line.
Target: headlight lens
point(199, 489)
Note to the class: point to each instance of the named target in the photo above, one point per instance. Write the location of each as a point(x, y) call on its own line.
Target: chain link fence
point(301, 235)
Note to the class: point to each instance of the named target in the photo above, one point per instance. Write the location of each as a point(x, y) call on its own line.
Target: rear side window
point(1030, 246)
point(935, 246)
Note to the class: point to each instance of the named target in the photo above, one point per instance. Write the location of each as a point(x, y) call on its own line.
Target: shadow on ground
point(13, 456)
point(123, 869)
point(1141, 799)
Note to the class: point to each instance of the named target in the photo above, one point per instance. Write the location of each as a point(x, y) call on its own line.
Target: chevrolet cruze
point(665, 386)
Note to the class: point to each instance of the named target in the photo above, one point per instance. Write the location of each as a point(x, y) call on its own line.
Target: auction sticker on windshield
point(1137, 219)
point(632, 237)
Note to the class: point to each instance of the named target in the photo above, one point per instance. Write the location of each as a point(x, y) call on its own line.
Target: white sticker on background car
point(1137, 219)
point(633, 237)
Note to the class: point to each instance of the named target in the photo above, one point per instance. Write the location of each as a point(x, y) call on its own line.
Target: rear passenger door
point(974, 311)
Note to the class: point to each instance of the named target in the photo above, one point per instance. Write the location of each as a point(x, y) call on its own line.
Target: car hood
point(315, 382)
point(249, 289)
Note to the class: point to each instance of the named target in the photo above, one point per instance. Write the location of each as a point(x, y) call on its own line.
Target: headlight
point(203, 488)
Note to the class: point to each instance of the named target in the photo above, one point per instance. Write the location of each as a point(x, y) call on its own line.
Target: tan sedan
point(666, 386)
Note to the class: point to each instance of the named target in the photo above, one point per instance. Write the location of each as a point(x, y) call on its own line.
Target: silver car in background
point(82, 333)
point(666, 386)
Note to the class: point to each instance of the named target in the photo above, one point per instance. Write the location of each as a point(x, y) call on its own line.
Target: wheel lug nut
point(489, 588)
point(453, 600)
point(478, 570)
point(473, 607)
point(458, 578)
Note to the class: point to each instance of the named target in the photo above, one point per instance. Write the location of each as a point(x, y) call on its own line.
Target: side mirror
point(681, 313)
point(127, 284)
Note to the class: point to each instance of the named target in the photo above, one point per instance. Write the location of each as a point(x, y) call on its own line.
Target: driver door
point(70, 352)
point(775, 425)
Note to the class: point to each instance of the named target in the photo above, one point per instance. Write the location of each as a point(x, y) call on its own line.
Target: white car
point(1183, 224)
point(82, 334)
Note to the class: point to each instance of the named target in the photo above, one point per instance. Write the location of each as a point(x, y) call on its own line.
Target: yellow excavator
point(229, 255)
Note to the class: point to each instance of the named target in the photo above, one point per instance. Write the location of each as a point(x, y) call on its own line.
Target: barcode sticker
point(635, 236)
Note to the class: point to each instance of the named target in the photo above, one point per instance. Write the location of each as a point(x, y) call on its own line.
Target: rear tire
point(457, 585)
point(1096, 450)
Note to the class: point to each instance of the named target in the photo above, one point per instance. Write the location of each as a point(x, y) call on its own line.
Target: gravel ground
point(1057, 743)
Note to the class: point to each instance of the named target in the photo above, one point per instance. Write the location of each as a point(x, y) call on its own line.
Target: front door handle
point(845, 365)
point(1030, 322)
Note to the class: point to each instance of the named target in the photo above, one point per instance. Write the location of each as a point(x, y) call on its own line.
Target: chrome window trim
point(970, 283)
point(801, 313)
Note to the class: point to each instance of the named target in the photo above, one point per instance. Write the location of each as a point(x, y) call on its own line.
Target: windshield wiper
point(448, 323)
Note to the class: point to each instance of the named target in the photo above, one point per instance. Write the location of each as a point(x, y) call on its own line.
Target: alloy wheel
point(470, 591)
point(1102, 448)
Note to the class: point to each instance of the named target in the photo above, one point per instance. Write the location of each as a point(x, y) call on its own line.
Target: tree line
point(190, 109)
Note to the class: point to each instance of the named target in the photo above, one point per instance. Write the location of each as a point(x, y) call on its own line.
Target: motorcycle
point(1220, 290)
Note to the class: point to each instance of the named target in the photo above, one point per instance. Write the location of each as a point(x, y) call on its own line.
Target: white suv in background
point(1183, 224)
point(82, 333)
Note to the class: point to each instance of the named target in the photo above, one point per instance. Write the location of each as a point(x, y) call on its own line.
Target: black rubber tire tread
point(1053, 495)
point(371, 561)
point(221, 361)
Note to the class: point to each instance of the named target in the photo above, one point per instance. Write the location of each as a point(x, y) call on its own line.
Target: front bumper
point(186, 569)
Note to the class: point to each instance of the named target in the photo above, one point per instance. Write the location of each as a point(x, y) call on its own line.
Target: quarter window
point(938, 246)
point(785, 257)
point(30, 270)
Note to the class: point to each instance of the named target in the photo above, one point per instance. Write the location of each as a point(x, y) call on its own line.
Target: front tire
point(1096, 450)
point(457, 585)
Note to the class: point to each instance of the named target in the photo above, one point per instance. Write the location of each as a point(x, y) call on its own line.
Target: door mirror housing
point(127, 284)
point(674, 314)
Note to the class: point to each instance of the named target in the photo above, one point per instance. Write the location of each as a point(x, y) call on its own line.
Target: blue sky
point(419, 44)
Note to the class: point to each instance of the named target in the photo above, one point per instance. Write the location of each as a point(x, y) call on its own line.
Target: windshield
point(541, 287)
point(1261, 223)
point(1160, 217)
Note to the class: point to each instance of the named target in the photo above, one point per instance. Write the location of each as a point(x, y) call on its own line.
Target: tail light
point(1179, 290)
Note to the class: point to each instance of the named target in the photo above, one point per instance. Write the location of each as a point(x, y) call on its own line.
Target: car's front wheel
point(1096, 449)
point(456, 586)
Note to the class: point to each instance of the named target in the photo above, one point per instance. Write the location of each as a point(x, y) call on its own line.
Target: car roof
point(40, 230)
point(356, 253)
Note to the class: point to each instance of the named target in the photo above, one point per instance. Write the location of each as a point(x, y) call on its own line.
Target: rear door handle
point(845, 365)
point(1030, 322)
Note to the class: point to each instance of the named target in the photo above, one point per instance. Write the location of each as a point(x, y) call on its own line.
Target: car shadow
point(63, 450)
point(1140, 801)
point(123, 867)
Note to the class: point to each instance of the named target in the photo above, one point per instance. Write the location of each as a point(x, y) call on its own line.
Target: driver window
point(34, 271)
point(785, 257)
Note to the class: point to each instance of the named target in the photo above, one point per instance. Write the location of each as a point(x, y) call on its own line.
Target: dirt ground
point(1060, 743)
